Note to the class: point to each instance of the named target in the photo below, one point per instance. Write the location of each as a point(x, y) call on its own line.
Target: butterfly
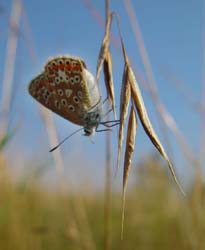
point(67, 88)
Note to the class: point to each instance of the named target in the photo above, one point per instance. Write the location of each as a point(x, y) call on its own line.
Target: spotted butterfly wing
point(67, 88)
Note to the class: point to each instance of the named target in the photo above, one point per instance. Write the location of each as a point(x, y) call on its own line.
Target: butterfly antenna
point(75, 132)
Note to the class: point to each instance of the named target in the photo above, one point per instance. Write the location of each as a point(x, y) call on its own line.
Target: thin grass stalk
point(83, 227)
point(94, 13)
point(105, 60)
point(181, 87)
point(47, 116)
point(15, 17)
point(202, 113)
point(107, 8)
point(188, 97)
point(107, 203)
point(28, 37)
point(197, 199)
point(53, 140)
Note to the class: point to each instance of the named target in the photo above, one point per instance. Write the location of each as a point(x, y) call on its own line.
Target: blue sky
point(172, 31)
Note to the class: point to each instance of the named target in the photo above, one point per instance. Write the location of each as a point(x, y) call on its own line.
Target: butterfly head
point(92, 120)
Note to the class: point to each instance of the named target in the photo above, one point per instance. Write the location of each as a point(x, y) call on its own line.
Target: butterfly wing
point(65, 88)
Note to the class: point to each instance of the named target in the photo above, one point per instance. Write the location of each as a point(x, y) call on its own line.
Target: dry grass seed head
point(107, 66)
point(139, 104)
point(124, 104)
point(130, 145)
point(104, 47)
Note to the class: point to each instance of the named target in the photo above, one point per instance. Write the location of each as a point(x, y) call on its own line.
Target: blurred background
point(63, 200)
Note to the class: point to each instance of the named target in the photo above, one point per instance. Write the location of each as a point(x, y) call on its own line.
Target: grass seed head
point(124, 104)
point(129, 150)
point(107, 66)
point(139, 104)
point(104, 46)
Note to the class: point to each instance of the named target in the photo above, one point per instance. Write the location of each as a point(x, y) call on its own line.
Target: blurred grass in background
point(157, 217)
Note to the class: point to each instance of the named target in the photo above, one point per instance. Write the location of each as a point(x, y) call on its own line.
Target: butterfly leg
point(113, 125)
point(102, 130)
point(106, 124)
point(106, 99)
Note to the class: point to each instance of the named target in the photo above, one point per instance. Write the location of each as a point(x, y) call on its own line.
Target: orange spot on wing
point(50, 79)
point(61, 66)
point(68, 66)
point(54, 67)
point(76, 66)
